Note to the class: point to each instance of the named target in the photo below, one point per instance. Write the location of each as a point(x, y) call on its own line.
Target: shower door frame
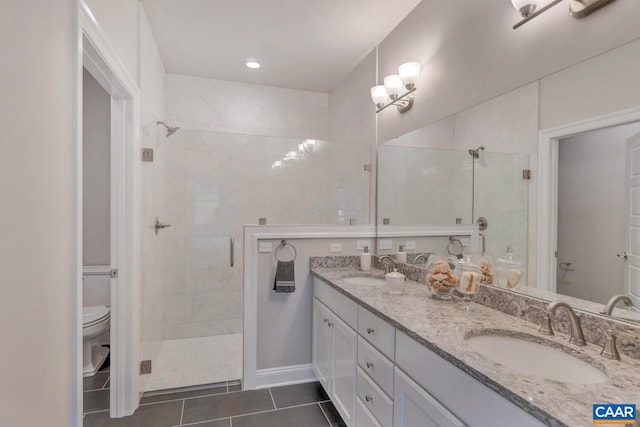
point(547, 210)
point(94, 53)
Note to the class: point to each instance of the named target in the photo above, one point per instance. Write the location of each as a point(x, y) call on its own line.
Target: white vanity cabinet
point(335, 346)
point(381, 377)
point(458, 396)
point(414, 407)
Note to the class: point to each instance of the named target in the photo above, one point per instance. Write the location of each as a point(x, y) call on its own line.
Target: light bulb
point(393, 86)
point(409, 73)
point(379, 95)
point(525, 7)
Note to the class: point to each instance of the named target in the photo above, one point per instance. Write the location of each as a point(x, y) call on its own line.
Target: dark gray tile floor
point(302, 405)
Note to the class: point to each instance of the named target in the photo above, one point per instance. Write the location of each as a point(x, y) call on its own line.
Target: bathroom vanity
point(406, 360)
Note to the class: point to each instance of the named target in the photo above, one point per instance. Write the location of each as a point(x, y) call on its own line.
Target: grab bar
point(232, 244)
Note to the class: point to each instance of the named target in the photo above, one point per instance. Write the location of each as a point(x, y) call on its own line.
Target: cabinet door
point(343, 387)
point(414, 407)
point(322, 351)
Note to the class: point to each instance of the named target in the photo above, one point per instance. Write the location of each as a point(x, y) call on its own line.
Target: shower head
point(476, 153)
point(170, 129)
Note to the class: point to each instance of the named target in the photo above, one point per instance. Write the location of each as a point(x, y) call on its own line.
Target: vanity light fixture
point(529, 9)
point(397, 88)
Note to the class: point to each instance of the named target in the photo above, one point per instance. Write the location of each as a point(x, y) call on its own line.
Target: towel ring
point(455, 247)
point(282, 245)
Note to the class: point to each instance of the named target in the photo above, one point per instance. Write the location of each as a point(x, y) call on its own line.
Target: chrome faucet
point(389, 263)
point(615, 300)
point(577, 337)
point(420, 256)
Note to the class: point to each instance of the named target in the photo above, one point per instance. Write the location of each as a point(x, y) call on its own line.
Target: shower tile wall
point(502, 196)
point(416, 183)
point(216, 182)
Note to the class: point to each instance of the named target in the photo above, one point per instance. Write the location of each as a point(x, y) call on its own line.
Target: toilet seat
point(94, 315)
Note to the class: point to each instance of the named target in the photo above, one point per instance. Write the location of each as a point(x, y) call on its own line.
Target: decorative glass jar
point(509, 269)
point(441, 278)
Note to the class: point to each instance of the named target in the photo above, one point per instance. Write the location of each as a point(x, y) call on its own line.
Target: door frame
point(96, 55)
point(547, 208)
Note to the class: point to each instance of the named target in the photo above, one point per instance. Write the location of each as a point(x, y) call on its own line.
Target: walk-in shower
point(212, 184)
point(170, 129)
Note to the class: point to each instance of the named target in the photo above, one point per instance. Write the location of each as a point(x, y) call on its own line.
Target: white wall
point(591, 196)
point(118, 20)
point(96, 174)
point(471, 54)
point(598, 86)
point(351, 118)
point(152, 191)
point(38, 176)
point(224, 106)
point(284, 320)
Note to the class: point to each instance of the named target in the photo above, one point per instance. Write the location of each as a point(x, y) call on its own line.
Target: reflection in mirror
point(427, 187)
point(423, 186)
point(595, 178)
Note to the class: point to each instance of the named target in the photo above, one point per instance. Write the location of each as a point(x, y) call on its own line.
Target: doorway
point(547, 236)
point(592, 225)
point(97, 57)
point(96, 243)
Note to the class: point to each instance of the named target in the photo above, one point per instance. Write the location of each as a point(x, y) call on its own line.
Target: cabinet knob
point(368, 398)
point(369, 364)
point(370, 331)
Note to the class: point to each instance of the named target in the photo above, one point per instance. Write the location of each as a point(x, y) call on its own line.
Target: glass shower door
point(214, 183)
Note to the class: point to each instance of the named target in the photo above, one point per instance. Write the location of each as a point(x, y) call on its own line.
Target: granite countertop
point(442, 326)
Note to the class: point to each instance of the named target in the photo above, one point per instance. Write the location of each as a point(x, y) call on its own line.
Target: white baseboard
point(286, 375)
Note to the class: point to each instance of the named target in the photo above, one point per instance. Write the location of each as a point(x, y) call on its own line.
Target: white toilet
point(95, 323)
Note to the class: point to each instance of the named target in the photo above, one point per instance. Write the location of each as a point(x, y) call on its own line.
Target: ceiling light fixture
point(253, 64)
point(529, 9)
point(391, 93)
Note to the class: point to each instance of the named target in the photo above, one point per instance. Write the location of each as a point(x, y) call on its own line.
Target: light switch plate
point(360, 244)
point(385, 244)
point(265, 247)
point(335, 247)
point(410, 246)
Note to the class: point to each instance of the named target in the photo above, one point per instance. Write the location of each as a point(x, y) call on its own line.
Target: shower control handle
point(159, 225)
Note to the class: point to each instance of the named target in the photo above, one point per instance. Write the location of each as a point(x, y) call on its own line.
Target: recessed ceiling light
point(252, 63)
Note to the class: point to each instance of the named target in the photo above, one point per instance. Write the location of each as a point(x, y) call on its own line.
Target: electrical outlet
point(385, 244)
point(335, 247)
point(410, 246)
point(265, 247)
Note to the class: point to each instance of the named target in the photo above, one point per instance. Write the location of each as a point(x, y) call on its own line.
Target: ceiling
point(302, 44)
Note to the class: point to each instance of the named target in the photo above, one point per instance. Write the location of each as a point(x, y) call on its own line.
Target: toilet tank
point(96, 285)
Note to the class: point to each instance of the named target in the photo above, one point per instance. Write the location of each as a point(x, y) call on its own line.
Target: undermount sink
point(365, 280)
point(535, 358)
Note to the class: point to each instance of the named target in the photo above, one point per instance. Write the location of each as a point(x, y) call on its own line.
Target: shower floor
point(196, 361)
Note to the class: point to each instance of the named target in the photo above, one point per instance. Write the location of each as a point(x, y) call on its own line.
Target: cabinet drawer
point(378, 367)
point(345, 308)
point(374, 399)
point(364, 418)
point(463, 395)
point(378, 332)
point(412, 406)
